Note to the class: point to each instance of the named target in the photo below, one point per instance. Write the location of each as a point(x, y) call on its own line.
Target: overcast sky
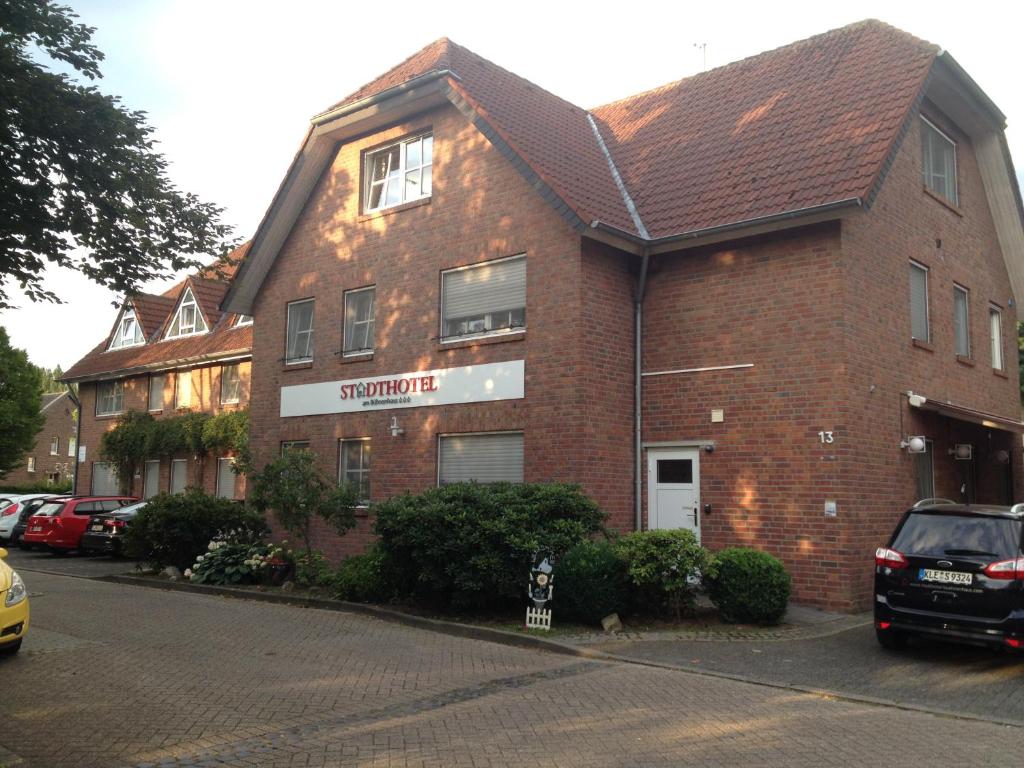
point(230, 85)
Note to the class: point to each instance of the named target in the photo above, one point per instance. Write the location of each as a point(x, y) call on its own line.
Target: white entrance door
point(673, 489)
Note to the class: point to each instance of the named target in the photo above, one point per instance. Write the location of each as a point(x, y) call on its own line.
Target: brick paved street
point(114, 675)
point(72, 564)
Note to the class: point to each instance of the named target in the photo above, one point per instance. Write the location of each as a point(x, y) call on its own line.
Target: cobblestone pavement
point(72, 564)
point(120, 676)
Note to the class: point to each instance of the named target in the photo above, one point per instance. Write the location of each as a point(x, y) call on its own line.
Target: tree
point(80, 183)
point(50, 382)
point(20, 403)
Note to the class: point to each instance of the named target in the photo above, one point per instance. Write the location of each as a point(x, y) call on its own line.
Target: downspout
point(638, 312)
point(78, 435)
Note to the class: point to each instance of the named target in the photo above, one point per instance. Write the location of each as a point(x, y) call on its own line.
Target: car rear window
point(50, 510)
point(938, 535)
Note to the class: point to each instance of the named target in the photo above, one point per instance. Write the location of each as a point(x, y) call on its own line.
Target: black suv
point(954, 571)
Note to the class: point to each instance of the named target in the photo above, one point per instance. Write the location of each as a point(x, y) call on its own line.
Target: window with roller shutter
point(489, 457)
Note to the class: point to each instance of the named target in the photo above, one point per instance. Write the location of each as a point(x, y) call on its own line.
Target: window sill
point(479, 341)
point(940, 199)
point(922, 345)
point(110, 415)
point(964, 360)
point(360, 358)
point(155, 410)
point(297, 366)
point(361, 511)
point(368, 216)
point(1000, 374)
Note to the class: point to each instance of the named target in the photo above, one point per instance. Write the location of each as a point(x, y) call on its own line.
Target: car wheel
point(12, 648)
point(891, 639)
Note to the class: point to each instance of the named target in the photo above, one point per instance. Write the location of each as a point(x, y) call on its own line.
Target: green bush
point(228, 562)
point(470, 546)
point(590, 583)
point(175, 529)
point(747, 585)
point(364, 578)
point(41, 487)
point(665, 563)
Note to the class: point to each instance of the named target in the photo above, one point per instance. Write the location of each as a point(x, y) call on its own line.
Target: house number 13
point(827, 437)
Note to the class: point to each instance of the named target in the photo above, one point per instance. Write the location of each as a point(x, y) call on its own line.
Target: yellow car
point(13, 607)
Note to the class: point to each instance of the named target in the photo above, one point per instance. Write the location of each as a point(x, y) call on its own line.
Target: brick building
point(51, 459)
point(726, 304)
point(167, 354)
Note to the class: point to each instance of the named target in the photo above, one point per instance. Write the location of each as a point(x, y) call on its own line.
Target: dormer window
point(188, 320)
point(399, 174)
point(243, 320)
point(128, 333)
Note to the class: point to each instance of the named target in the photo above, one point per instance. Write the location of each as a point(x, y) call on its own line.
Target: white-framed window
point(995, 334)
point(294, 445)
point(128, 332)
point(919, 325)
point(156, 392)
point(486, 457)
point(243, 320)
point(354, 465)
point(359, 321)
point(961, 321)
point(72, 446)
point(230, 384)
point(179, 475)
point(299, 348)
point(399, 173)
point(938, 161)
point(151, 481)
point(484, 299)
point(31, 464)
point(54, 446)
point(226, 478)
point(104, 479)
point(109, 398)
point(183, 389)
point(188, 320)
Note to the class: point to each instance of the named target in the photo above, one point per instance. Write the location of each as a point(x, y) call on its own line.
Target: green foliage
point(80, 183)
point(591, 582)
point(50, 383)
point(364, 578)
point(175, 529)
point(125, 445)
point(747, 585)
point(228, 562)
point(41, 487)
point(20, 388)
point(312, 569)
point(228, 432)
point(468, 545)
point(668, 563)
point(297, 491)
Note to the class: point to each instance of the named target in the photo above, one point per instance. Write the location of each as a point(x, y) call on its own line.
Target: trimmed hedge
point(43, 487)
point(665, 564)
point(590, 583)
point(748, 586)
point(364, 578)
point(470, 546)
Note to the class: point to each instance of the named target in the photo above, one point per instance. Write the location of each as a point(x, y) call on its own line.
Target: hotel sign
point(442, 386)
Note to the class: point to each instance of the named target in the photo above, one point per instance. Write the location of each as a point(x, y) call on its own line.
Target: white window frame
point(170, 478)
point(234, 477)
point(72, 446)
point(955, 199)
point(443, 435)
point(365, 468)
point(488, 320)
point(128, 332)
point(995, 333)
point(360, 325)
point(30, 465)
point(153, 377)
point(238, 384)
point(151, 469)
point(927, 303)
point(55, 446)
point(198, 324)
point(960, 290)
point(116, 398)
point(183, 389)
point(397, 175)
point(243, 321)
point(310, 333)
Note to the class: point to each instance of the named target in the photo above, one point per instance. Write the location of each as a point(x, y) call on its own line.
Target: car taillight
point(1006, 569)
point(115, 523)
point(1014, 642)
point(10, 510)
point(889, 558)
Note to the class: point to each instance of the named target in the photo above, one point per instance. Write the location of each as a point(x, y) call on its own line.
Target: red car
point(58, 525)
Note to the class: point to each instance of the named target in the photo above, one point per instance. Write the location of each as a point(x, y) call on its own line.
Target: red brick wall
point(60, 423)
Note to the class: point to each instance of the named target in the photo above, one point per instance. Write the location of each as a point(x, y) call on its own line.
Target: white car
point(10, 506)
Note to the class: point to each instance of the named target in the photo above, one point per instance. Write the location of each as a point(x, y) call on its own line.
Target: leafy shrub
point(364, 578)
point(41, 487)
point(312, 569)
point(747, 585)
point(468, 545)
point(228, 562)
point(668, 563)
point(591, 582)
point(175, 529)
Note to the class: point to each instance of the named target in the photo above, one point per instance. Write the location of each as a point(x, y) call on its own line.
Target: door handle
point(696, 518)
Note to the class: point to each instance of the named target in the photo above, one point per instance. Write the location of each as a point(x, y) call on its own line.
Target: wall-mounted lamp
point(916, 400)
point(915, 444)
point(1001, 457)
point(709, 448)
point(962, 451)
point(395, 429)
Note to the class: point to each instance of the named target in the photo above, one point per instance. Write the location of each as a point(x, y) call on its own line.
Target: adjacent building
point(773, 303)
point(52, 459)
point(166, 354)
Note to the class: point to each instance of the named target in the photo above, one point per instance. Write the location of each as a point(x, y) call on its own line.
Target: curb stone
point(503, 637)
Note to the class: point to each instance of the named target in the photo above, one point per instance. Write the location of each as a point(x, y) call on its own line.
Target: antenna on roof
point(704, 53)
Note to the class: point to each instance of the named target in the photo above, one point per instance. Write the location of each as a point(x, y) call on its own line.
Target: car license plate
point(96, 527)
point(945, 577)
point(37, 527)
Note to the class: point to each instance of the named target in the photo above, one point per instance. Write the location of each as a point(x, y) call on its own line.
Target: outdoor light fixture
point(395, 429)
point(962, 452)
point(916, 400)
point(1001, 457)
point(915, 444)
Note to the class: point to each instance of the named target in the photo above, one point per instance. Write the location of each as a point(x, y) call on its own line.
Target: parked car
point(27, 509)
point(59, 523)
point(10, 506)
point(13, 607)
point(952, 571)
point(105, 532)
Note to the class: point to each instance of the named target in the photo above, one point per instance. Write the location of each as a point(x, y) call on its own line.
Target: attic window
point(188, 320)
point(399, 173)
point(938, 162)
point(243, 320)
point(127, 333)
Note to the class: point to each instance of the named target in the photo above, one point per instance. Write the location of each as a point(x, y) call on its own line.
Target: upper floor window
point(919, 302)
point(188, 320)
point(938, 161)
point(399, 173)
point(995, 326)
point(243, 320)
point(156, 392)
point(961, 322)
point(484, 298)
point(300, 332)
point(183, 390)
point(359, 314)
point(230, 384)
point(128, 333)
point(31, 466)
point(109, 398)
point(72, 445)
point(54, 446)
